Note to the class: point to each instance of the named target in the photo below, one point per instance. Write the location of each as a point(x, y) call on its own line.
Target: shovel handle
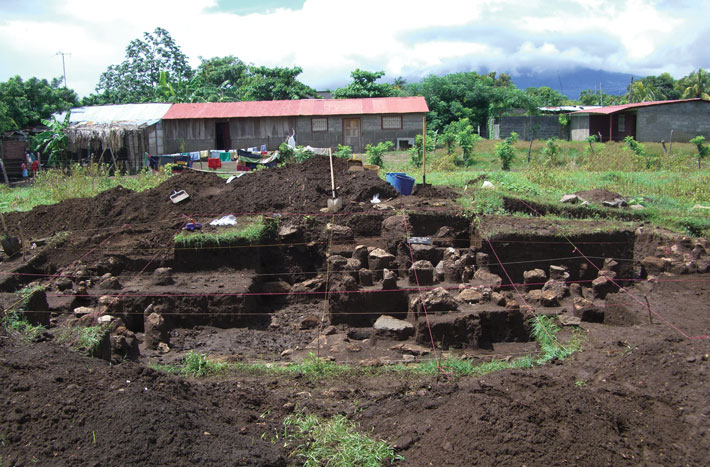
point(4, 227)
point(332, 177)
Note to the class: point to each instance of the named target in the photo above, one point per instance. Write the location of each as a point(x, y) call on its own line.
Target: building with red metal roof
point(672, 120)
point(315, 122)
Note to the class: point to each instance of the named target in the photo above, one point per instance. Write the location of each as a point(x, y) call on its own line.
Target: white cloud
point(329, 38)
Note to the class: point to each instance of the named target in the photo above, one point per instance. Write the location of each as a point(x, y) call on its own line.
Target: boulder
point(156, 331)
point(483, 277)
point(570, 199)
point(411, 349)
point(337, 263)
point(360, 253)
point(453, 270)
point(276, 287)
point(36, 308)
point(439, 271)
point(365, 277)
point(654, 265)
point(82, 311)
point(163, 276)
point(290, 232)
point(558, 288)
point(425, 252)
point(548, 298)
point(309, 322)
point(109, 282)
point(63, 283)
point(394, 232)
point(424, 273)
point(559, 273)
point(339, 233)
point(534, 279)
point(603, 285)
point(379, 260)
point(498, 298)
point(587, 311)
point(471, 295)
point(436, 300)
point(394, 328)
point(482, 260)
point(389, 280)
point(124, 345)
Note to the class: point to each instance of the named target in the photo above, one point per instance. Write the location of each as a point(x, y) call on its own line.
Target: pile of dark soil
point(294, 188)
point(431, 191)
point(598, 195)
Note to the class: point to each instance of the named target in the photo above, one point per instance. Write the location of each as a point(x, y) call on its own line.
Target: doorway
point(351, 133)
point(222, 137)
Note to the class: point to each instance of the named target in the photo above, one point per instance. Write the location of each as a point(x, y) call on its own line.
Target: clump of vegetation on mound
point(336, 441)
point(251, 230)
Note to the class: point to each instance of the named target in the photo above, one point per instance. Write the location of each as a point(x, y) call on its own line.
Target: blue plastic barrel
point(391, 178)
point(406, 183)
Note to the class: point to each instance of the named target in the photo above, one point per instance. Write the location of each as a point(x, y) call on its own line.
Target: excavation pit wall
point(241, 285)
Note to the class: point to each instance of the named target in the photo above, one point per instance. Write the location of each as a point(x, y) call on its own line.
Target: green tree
point(26, 103)
point(267, 84)
point(364, 85)
point(640, 91)
point(696, 84)
point(594, 97)
point(547, 97)
point(375, 152)
point(506, 151)
point(53, 141)
point(664, 84)
point(138, 76)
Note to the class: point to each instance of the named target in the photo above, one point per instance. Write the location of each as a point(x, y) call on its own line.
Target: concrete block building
point(315, 122)
point(644, 121)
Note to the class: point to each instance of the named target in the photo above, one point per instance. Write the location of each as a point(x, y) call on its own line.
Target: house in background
point(644, 121)
point(316, 122)
point(116, 134)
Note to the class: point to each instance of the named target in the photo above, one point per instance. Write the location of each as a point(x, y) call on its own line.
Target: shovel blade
point(10, 245)
point(335, 204)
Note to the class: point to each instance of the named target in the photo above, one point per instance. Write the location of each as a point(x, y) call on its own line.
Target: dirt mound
point(598, 195)
point(306, 187)
point(295, 187)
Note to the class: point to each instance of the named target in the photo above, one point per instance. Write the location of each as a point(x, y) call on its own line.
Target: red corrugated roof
point(618, 108)
point(306, 107)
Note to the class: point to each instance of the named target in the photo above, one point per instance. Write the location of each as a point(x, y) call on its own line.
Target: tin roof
point(618, 108)
point(303, 107)
point(126, 114)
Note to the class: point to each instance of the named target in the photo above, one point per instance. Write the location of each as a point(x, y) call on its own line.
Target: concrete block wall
point(686, 119)
point(579, 127)
point(548, 126)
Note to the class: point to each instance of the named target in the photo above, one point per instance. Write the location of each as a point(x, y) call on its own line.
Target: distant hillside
point(573, 82)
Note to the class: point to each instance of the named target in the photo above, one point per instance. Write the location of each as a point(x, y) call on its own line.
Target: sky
point(330, 38)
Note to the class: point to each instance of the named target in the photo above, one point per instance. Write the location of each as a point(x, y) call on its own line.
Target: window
point(319, 124)
point(392, 122)
point(622, 124)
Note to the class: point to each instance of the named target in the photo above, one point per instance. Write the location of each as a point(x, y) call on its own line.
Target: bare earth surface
point(636, 394)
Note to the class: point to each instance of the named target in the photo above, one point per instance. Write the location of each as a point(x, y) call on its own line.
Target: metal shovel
point(334, 203)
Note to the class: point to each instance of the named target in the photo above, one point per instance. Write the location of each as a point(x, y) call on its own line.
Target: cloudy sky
point(330, 38)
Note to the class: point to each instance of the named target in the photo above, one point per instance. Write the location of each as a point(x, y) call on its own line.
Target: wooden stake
point(424, 150)
point(648, 306)
point(22, 239)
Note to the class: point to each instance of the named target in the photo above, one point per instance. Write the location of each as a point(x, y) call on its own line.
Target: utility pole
point(631, 89)
point(64, 68)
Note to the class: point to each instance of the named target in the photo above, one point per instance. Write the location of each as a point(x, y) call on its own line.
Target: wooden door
point(351, 133)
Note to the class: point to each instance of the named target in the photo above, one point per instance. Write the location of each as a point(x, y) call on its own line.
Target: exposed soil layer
point(635, 394)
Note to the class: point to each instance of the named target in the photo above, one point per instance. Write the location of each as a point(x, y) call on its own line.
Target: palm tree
point(697, 87)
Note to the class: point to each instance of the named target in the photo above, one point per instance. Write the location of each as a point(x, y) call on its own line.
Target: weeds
point(256, 230)
point(334, 442)
point(198, 365)
point(16, 322)
point(545, 333)
point(83, 338)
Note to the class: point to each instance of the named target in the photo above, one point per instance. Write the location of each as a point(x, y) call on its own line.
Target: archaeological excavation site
point(258, 276)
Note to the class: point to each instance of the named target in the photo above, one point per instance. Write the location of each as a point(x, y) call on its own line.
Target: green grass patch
point(14, 322)
point(252, 230)
point(85, 339)
point(55, 185)
point(544, 330)
point(334, 442)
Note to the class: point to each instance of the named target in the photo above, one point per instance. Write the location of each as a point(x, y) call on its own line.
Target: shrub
point(286, 152)
point(552, 151)
point(344, 152)
point(374, 153)
point(703, 150)
point(506, 151)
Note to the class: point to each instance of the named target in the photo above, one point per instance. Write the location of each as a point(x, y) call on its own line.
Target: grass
point(83, 338)
point(668, 192)
point(54, 185)
point(15, 322)
point(544, 330)
point(334, 442)
point(254, 230)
